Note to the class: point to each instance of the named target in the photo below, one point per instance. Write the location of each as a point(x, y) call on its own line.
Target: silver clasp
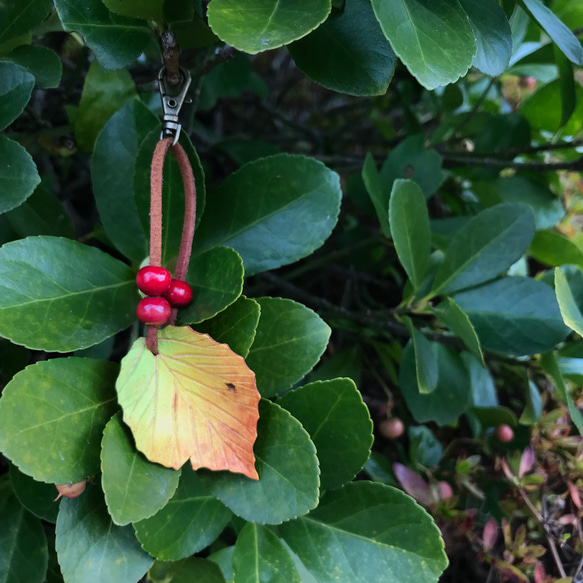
point(172, 103)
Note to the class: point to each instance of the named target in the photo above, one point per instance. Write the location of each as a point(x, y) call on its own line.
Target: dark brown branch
point(171, 55)
point(453, 161)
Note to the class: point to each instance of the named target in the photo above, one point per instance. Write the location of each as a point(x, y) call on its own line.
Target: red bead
point(153, 281)
point(179, 294)
point(153, 311)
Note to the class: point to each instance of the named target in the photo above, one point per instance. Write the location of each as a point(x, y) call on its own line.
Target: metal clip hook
point(172, 104)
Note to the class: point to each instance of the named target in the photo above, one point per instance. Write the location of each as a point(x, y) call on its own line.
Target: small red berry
point(153, 281)
point(179, 294)
point(504, 433)
point(153, 311)
point(392, 428)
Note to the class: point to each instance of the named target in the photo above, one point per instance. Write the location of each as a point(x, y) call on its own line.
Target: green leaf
point(339, 424)
point(485, 246)
point(364, 529)
point(117, 41)
point(267, 24)
point(568, 87)
point(190, 522)
point(144, 9)
point(216, 278)
point(260, 556)
point(555, 249)
point(289, 341)
point(16, 85)
point(41, 214)
point(51, 305)
point(23, 545)
point(348, 53)
point(425, 359)
point(41, 62)
point(549, 363)
point(18, 17)
point(104, 92)
point(547, 208)
point(112, 173)
point(424, 447)
point(268, 204)
point(235, 326)
point(494, 416)
point(172, 191)
point(409, 221)
point(493, 35)
point(457, 320)
point(557, 30)
point(193, 569)
point(110, 552)
point(518, 316)
point(288, 472)
point(37, 497)
point(481, 382)
point(134, 487)
point(376, 192)
point(451, 396)
point(224, 559)
point(18, 174)
point(569, 309)
point(534, 407)
point(56, 437)
point(433, 38)
point(412, 160)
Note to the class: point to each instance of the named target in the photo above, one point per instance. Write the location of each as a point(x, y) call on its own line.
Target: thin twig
point(171, 55)
point(452, 161)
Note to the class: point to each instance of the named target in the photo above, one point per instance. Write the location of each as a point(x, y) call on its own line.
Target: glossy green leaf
point(191, 521)
point(514, 315)
point(288, 472)
point(549, 363)
point(412, 160)
point(569, 309)
point(145, 9)
point(216, 278)
point(339, 424)
point(564, 38)
point(23, 545)
point(267, 24)
point(376, 192)
point(224, 559)
point(112, 173)
point(16, 85)
point(344, 363)
point(117, 41)
point(424, 448)
point(568, 86)
point(348, 53)
point(41, 62)
point(260, 556)
point(104, 92)
point(409, 221)
point(18, 174)
point(268, 203)
point(482, 384)
point(235, 326)
point(457, 320)
point(110, 552)
point(49, 304)
point(193, 569)
point(134, 488)
point(494, 416)
point(493, 35)
point(37, 497)
point(41, 214)
point(433, 38)
point(547, 208)
point(425, 359)
point(172, 191)
point(289, 341)
point(451, 396)
point(18, 17)
point(364, 531)
point(485, 247)
point(56, 436)
point(534, 407)
point(555, 249)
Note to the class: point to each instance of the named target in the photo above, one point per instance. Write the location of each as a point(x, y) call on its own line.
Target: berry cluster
point(167, 293)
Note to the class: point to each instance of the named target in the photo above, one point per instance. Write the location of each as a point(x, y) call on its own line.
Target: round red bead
point(153, 311)
point(179, 294)
point(153, 281)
